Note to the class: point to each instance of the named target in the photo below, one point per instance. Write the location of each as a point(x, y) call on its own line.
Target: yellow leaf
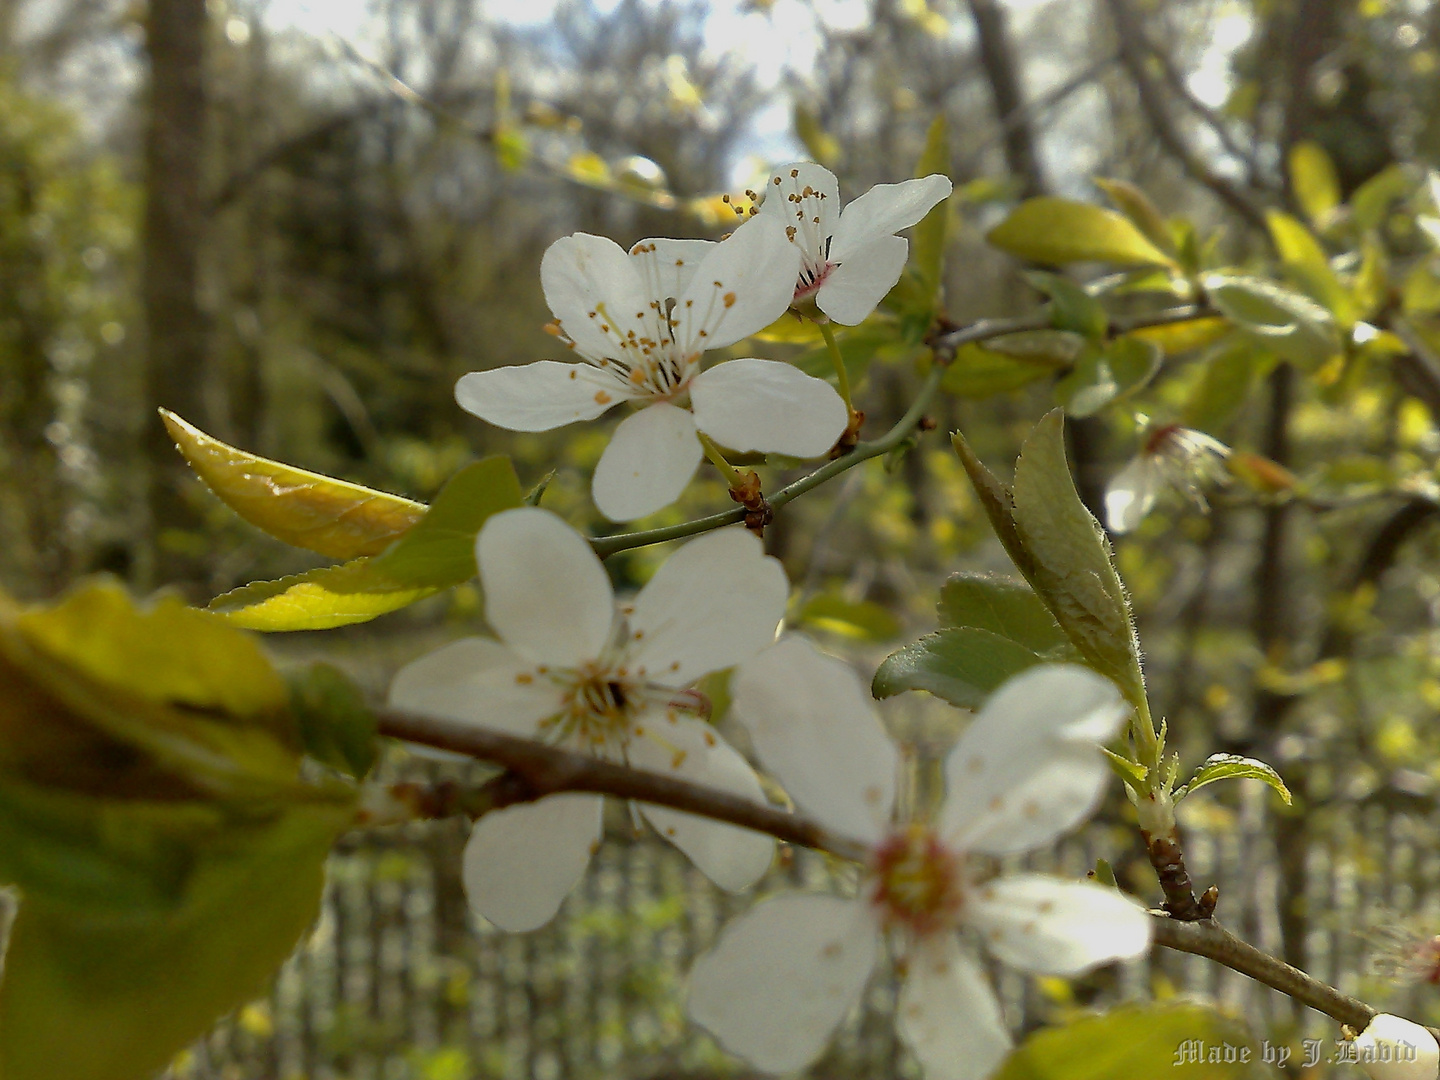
point(1312, 176)
point(1136, 205)
point(1308, 265)
point(588, 168)
point(1059, 231)
point(306, 509)
point(1181, 337)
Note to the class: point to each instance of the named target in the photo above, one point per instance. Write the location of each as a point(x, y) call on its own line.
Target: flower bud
point(1393, 1048)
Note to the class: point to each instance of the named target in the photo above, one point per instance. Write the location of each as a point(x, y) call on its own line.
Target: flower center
point(599, 704)
point(918, 881)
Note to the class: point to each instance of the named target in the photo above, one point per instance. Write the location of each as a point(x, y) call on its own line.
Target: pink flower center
point(918, 881)
point(810, 280)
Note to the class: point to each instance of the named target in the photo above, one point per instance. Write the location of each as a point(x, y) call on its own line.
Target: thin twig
point(536, 769)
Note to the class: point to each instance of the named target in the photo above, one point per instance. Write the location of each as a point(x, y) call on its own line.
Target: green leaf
point(1137, 1042)
point(962, 665)
point(1370, 204)
point(1284, 322)
point(1136, 205)
point(437, 553)
point(1059, 231)
point(1182, 337)
point(1229, 371)
point(927, 245)
point(1105, 375)
point(89, 995)
point(1071, 307)
point(1009, 362)
point(1309, 267)
point(1313, 179)
point(1233, 767)
point(996, 500)
point(319, 513)
point(858, 347)
point(336, 726)
point(1069, 560)
point(1132, 773)
point(1002, 606)
point(862, 620)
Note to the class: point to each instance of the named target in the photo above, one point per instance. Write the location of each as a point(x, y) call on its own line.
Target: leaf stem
point(733, 476)
point(842, 376)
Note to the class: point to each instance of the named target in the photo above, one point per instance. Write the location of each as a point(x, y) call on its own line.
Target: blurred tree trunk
point(1001, 72)
point(174, 223)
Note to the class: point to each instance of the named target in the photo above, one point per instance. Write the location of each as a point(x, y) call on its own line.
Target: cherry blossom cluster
point(571, 665)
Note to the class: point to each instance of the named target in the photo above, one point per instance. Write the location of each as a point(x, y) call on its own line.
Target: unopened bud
point(1393, 1048)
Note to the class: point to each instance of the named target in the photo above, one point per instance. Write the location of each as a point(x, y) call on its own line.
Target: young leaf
point(87, 996)
point(927, 245)
point(1010, 362)
point(1233, 767)
point(860, 619)
point(1059, 231)
point(1309, 267)
point(995, 498)
point(1071, 307)
point(437, 553)
point(1131, 773)
point(1182, 337)
point(1230, 370)
point(963, 666)
point(1136, 1042)
point(1136, 205)
point(1104, 375)
point(336, 726)
point(1070, 564)
point(319, 513)
point(1292, 326)
point(1313, 179)
point(1002, 606)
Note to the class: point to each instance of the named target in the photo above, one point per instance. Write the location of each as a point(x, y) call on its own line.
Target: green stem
point(733, 476)
point(841, 375)
point(944, 347)
point(605, 546)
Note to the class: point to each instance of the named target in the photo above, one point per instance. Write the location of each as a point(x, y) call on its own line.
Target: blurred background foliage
point(298, 241)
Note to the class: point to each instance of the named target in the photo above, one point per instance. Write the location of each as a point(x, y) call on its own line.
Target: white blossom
point(572, 669)
point(784, 975)
point(850, 259)
point(1393, 1048)
point(641, 322)
point(1171, 457)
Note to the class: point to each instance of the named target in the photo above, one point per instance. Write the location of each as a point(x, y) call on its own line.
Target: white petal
point(521, 862)
point(1131, 493)
point(714, 603)
point(539, 396)
point(947, 1013)
point(767, 406)
point(883, 211)
point(1393, 1048)
point(1029, 768)
point(745, 283)
point(650, 459)
point(824, 203)
point(668, 266)
point(783, 976)
point(854, 287)
point(815, 730)
point(1048, 926)
point(583, 273)
point(477, 681)
point(682, 746)
point(546, 593)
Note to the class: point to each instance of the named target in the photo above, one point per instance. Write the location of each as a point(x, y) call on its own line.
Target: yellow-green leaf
point(1284, 322)
point(437, 553)
point(1313, 179)
point(319, 513)
point(1059, 231)
point(862, 620)
point(1181, 337)
point(961, 665)
point(927, 249)
point(1309, 267)
point(1136, 205)
point(1233, 767)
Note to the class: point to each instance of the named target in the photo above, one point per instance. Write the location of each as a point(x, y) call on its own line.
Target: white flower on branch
point(573, 670)
point(1393, 1048)
point(850, 259)
point(641, 321)
point(784, 975)
point(1171, 457)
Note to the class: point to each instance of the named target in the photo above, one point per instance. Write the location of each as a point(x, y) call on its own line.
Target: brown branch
point(536, 769)
point(1209, 939)
point(1153, 104)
